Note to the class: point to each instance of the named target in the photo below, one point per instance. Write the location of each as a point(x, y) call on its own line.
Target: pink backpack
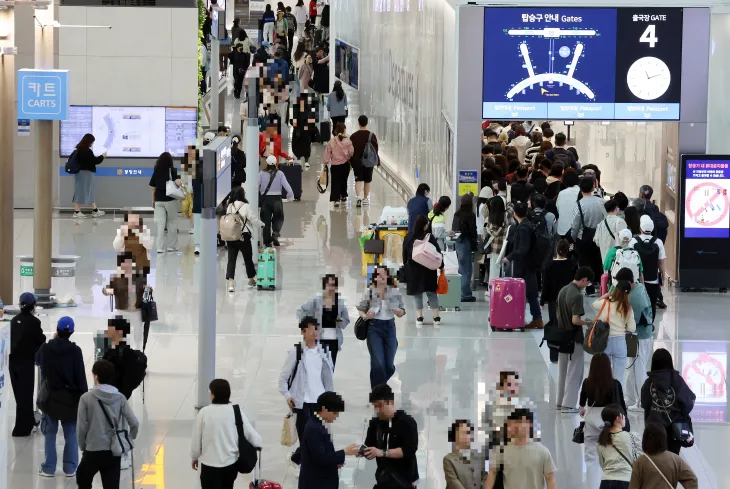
point(426, 254)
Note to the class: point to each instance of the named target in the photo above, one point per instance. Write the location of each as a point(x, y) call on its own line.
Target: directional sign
point(43, 94)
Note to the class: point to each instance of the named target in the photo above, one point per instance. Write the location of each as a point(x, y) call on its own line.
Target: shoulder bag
point(172, 190)
point(596, 340)
point(121, 442)
point(622, 455)
point(149, 306)
point(247, 453)
point(660, 472)
point(362, 325)
point(271, 181)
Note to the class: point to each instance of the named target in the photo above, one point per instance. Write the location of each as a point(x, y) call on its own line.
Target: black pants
point(244, 247)
point(217, 477)
point(612, 484)
point(553, 318)
point(333, 346)
point(589, 255)
point(272, 213)
point(103, 462)
point(22, 377)
point(338, 181)
point(303, 416)
point(653, 291)
point(203, 83)
point(335, 120)
point(290, 38)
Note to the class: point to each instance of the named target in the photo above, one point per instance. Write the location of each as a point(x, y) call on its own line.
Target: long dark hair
point(442, 205)
point(497, 211)
point(164, 163)
point(390, 281)
point(608, 415)
point(661, 360)
point(300, 51)
point(86, 142)
point(620, 295)
point(419, 227)
point(466, 207)
point(600, 382)
point(340, 130)
point(238, 194)
point(631, 216)
point(242, 35)
point(339, 90)
point(300, 3)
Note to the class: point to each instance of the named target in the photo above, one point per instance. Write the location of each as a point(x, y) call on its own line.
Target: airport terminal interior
point(443, 372)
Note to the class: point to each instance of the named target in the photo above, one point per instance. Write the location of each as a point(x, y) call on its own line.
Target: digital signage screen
point(131, 132)
point(706, 199)
point(347, 63)
point(582, 63)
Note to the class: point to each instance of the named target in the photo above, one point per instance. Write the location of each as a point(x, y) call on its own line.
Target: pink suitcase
point(507, 303)
point(604, 283)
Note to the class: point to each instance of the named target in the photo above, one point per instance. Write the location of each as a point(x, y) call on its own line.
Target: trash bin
point(63, 277)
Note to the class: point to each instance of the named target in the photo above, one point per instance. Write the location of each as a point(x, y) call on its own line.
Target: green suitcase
point(451, 299)
point(266, 272)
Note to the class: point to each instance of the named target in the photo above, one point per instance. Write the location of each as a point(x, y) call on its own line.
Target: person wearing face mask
point(463, 467)
point(330, 310)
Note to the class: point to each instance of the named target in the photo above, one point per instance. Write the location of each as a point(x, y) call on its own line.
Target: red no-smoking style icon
point(708, 370)
point(712, 191)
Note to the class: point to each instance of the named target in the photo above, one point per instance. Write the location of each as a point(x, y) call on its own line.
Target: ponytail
point(608, 415)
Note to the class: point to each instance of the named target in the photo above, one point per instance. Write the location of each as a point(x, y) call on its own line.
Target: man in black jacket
point(26, 337)
point(392, 439)
point(661, 227)
point(62, 371)
point(521, 190)
point(522, 263)
point(320, 461)
point(129, 365)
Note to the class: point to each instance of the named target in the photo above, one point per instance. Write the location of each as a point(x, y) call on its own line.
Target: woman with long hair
point(633, 220)
point(266, 24)
point(249, 217)
point(465, 223)
point(337, 154)
point(617, 449)
point(165, 207)
point(496, 228)
point(337, 105)
point(419, 279)
point(599, 390)
point(381, 303)
point(300, 14)
point(659, 467)
point(306, 70)
point(666, 398)
point(298, 60)
point(615, 309)
point(437, 220)
point(84, 188)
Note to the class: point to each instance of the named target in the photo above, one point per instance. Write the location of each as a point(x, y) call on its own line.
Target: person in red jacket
point(270, 143)
point(312, 12)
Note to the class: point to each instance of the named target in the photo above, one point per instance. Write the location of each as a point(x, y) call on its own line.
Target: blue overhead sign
point(43, 94)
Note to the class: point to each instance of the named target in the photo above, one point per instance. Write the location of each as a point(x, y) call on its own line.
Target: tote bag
point(426, 254)
point(172, 190)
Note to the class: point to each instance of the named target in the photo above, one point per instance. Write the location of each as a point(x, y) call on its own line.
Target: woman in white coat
point(239, 205)
point(330, 311)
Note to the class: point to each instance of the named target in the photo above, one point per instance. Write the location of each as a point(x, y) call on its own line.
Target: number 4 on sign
point(649, 36)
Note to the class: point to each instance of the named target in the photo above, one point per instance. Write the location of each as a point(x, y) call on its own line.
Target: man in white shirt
point(607, 232)
point(567, 203)
point(653, 255)
point(307, 373)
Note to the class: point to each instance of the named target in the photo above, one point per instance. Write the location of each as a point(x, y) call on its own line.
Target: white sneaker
point(191, 231)
point(419, 321)
point(70, 475)
point(173, 250)
point(80, 215)
point(197, 250)
point(45, 474)
point(231, 285)
point(366, 200)
point(437, 321)
point(97, 213)
point(307, 165)
point(294, 467)
point(160, 251)
point(636, 408)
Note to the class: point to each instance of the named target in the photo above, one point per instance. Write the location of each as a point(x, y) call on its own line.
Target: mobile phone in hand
point(361, 452)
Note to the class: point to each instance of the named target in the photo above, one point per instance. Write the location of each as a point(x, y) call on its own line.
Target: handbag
point(172, 190)
point(660, 472)
point(579, 433)
point(361, 328)
point(324, 180)
point(374, 246)
point(121, 443)
point(149, 306)
point(683, 433)
point(289, 430)
point(632, 345)
point(597, 339)
point(426, 254)
point(247, 453)
point(442, 286)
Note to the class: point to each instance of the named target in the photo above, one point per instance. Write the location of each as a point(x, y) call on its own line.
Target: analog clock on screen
point(648, 78)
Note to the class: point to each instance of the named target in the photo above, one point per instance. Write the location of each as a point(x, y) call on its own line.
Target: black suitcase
point(293, 174)
point(325, 131)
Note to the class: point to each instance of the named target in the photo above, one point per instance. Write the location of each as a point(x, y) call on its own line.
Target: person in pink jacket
point(338, 153)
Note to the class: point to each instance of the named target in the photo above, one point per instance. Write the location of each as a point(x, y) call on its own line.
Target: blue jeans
point(382, 345)
point(616, 351)
point(532, 294)
point(466, 264)
point(49, 427)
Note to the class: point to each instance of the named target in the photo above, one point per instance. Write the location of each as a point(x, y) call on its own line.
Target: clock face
point(648, 78)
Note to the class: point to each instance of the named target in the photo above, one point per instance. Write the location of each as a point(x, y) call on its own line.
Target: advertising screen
point(570, 63)
point(706, 199)
point(704, 369)
point(347, 63)
point(130, 132)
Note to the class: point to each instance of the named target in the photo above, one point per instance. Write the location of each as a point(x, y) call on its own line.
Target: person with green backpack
point(236, 228)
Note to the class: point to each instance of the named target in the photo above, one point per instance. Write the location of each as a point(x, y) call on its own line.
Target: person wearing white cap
point(653, 255)
point(271, 184)
point(623, 256)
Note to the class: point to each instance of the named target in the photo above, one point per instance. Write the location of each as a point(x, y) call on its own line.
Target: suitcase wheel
point(457, 308)
point(493, 328)
point(272, 287)
point(258, 287)
point(521, 330)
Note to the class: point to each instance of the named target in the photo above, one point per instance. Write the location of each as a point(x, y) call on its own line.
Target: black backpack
point(542, 242)
point(649, 253)
point(72, 165)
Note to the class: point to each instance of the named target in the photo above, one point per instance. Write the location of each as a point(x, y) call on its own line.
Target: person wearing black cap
point(64, 378)
point(26, 337)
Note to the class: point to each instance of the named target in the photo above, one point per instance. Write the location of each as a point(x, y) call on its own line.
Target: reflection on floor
point(442, 374)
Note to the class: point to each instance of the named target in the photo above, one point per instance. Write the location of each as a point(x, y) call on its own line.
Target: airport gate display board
point(582, 63)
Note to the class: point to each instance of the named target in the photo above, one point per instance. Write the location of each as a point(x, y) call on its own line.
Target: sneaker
point(437, 321)
point(636, 408)
point(97, 213)
point(359, 203)
point(366, 200)
point(558, 407)
point(191, 231)
point(46, 474)
point(535, 324)
point(197, 251)
point(80, 215)
point(469, 299)
point(71, 475)
point(307, 165)
point(173, 250)
point(160, 251)
point(252, 282)
point(337, 204)
point(661, 305)
point(569, 410)
point(419, 321)
point(231, 285)
point(276, 242)
point(294, 467)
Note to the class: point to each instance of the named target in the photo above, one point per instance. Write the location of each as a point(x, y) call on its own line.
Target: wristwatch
point(385, 453)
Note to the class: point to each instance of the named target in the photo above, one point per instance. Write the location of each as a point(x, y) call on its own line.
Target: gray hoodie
point(93, 430)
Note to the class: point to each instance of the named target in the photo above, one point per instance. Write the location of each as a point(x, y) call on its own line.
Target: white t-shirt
point(662, 251)
point(312, 361)
point(215, 437)
point(525, 466)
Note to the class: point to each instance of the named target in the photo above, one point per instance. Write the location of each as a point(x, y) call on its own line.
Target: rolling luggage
point(507, 303)
point(604, 283)
point(293, 174)
point(259, 482)
point(266, 272)
point(452, 299)
point(325, 131)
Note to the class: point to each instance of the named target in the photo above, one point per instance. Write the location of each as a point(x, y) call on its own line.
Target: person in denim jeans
point(465, 222)
point(381, 302)
point(63, 373)
point(615, 309)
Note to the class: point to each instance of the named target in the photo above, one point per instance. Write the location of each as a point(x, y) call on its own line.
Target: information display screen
point(706, 199)
point(347, 63)
point(582, 63)
point(130, 132)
